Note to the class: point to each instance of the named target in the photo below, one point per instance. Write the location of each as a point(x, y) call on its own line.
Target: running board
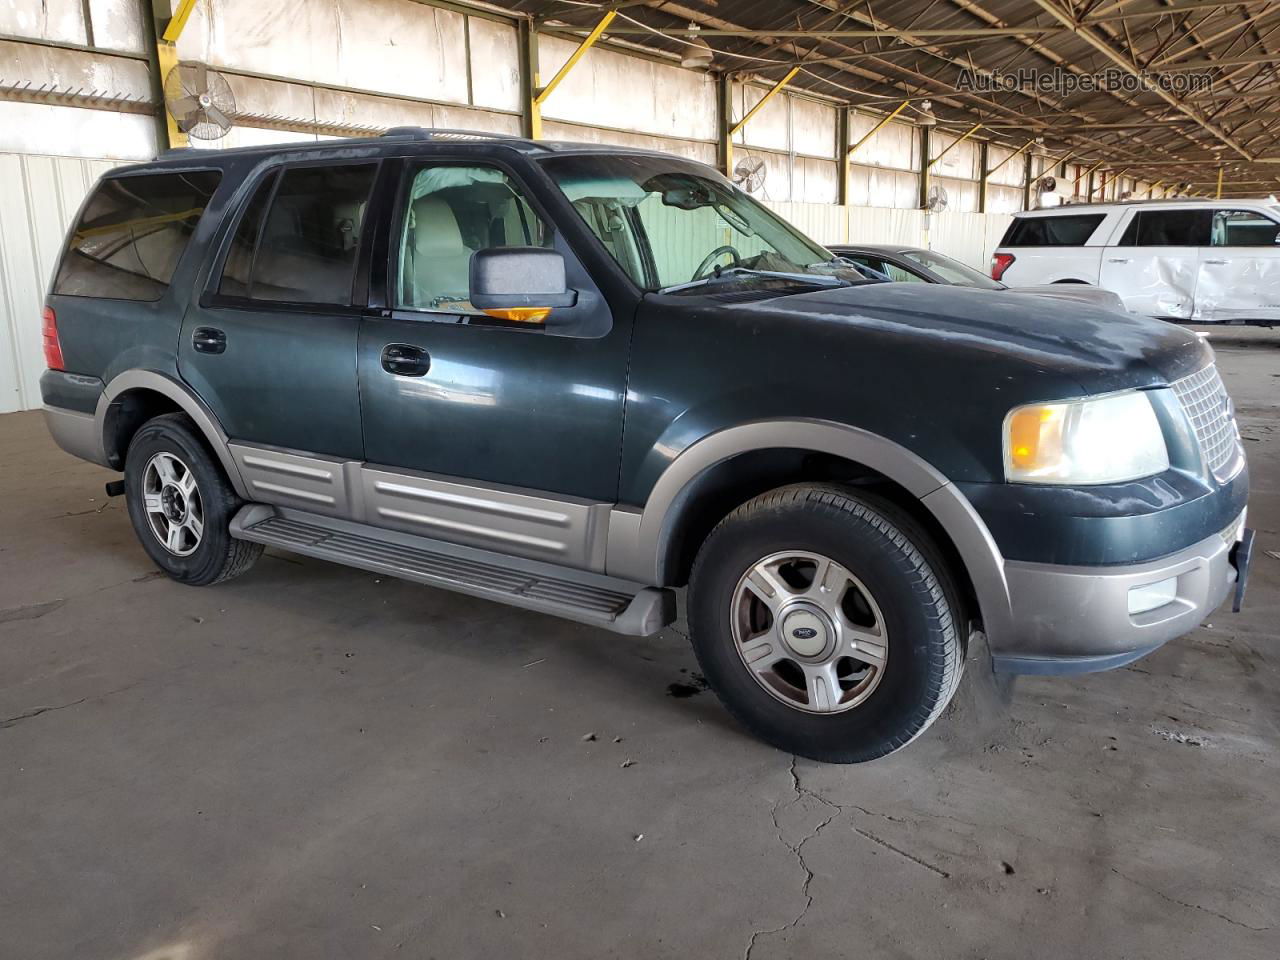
point(617, 605)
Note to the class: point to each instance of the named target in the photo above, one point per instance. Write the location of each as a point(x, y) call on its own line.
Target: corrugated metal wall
point(39, 199)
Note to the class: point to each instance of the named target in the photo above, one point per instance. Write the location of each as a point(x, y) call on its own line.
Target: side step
point(617, 605)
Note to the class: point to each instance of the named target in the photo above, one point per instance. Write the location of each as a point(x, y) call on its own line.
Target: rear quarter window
point(1072, 230)
point(132, 233)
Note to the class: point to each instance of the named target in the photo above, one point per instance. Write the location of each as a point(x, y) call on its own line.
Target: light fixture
point(927, 119)
point(697, 52)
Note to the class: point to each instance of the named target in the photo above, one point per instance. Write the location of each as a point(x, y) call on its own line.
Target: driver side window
point(451, 211)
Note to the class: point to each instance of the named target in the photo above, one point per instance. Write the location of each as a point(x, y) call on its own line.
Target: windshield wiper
point(817, 279)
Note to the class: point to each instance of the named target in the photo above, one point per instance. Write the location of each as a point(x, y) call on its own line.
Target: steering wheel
point(710, 258)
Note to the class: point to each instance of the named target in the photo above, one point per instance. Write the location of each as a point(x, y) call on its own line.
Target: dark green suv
point(575, 378)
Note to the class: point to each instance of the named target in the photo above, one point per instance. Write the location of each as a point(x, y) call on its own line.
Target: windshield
point(952, 271)
point(669, 222)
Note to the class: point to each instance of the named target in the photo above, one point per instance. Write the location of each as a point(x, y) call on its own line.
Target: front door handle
point(208, 340)
point(1118, 260)
point(1218, 262)
point(405, 360)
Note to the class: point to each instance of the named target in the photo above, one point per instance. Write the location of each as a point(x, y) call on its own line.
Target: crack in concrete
point(903, 853)
point(37, 711)
point(1190, 906)
point(797, 850)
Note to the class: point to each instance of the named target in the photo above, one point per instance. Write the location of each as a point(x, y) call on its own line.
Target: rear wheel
point(826, 622)
point(181, 504)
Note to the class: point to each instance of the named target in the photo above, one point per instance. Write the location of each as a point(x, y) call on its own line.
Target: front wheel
point(826, 622)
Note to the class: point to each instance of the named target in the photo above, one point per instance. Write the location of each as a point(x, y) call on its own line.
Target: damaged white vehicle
point(1208, 261)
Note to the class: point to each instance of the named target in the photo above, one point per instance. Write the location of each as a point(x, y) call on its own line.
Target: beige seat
point(438, 273)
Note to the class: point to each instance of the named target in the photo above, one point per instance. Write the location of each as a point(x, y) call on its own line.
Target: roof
point(873, 56)
point(1077, 209)
point(184, 156)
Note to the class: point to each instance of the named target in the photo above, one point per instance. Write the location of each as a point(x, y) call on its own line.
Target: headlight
point(1096, 440)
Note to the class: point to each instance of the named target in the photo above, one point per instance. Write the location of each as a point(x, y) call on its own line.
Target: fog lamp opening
point(1152, 596)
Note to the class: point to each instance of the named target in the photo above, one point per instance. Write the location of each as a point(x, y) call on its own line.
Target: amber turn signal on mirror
point(520, 314)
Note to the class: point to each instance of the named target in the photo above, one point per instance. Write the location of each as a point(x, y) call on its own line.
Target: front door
point(271, 347)
point(1240, 269)
point(1155, 266)
point(447, 391)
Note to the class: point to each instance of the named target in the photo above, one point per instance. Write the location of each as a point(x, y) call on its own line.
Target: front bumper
point(1078, 620)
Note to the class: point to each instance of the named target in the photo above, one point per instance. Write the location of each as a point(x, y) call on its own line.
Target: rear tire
point(843, 664)
point(181, 504)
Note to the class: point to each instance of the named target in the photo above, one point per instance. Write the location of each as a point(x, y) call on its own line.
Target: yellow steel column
point(167, 59)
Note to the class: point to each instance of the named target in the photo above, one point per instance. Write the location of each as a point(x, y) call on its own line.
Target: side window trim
point(212, 297)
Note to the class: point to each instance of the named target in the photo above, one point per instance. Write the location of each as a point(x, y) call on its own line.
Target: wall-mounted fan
point(748, 173)
point(937, 199)
point(200, 101)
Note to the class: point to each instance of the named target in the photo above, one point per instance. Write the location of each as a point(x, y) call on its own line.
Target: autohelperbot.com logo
point(1067, 82)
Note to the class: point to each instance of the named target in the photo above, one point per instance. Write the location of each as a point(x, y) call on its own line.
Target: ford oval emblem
point(804, 633)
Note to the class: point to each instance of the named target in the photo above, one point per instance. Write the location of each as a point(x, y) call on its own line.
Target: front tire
point(181, 504)
point(827, 622)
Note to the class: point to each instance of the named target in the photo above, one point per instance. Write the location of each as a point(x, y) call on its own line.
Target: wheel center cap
point(175, 507)
point(805, 633)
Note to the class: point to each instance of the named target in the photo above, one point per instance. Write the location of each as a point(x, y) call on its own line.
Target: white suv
point(1204, 260)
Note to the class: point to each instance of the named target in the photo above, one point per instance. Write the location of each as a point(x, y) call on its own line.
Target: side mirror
point(519, 283)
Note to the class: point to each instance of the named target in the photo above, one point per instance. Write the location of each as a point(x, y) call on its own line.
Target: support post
point(983, 150)
point(842, 154)
point(1028, 167)
point(725, 101)
point(926, 144)
point(531, 109)
point(1219, 194)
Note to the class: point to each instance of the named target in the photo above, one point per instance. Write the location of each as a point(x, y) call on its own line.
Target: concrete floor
point(313, 762)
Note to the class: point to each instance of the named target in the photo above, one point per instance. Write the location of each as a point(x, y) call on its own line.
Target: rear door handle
point(405, 360)
point(1118, 260)
point(1219, 262)
point(208, 340)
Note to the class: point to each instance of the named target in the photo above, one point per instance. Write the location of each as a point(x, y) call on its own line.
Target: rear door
point(1239, 277)
point(271, 346)
point(1156, 262)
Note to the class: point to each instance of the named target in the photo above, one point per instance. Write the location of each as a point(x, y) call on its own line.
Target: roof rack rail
point(434, 133)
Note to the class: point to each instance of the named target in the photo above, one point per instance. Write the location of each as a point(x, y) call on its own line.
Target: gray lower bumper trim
point(76, 433)
point(1077, 619)
point(1066, 666)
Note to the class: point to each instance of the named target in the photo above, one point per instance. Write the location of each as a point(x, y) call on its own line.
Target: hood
point(1083, 292)
point(1100, 349)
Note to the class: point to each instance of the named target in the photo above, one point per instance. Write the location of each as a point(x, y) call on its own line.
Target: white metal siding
point(40, 197)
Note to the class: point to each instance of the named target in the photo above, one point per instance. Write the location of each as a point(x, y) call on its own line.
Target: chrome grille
point(1204, 400)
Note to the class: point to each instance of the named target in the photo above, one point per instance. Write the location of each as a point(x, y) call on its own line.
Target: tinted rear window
point(298, 240)
point(132, 233)
point(1065, 231)
point(1168, 228)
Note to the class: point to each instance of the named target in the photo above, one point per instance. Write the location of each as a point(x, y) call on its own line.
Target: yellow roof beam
point(588, 42)
point(876, 129)
point(763, 100)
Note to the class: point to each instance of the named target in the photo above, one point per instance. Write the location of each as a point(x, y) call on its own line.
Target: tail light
point(52, 348)
point(1000, 262)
